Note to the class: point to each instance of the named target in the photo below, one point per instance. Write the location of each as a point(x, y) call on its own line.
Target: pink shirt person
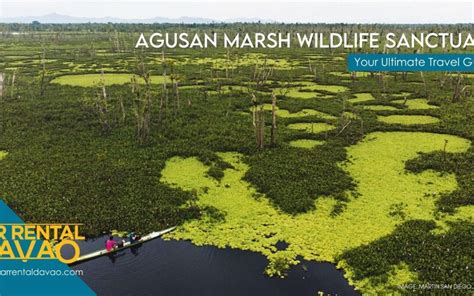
point(110, 244)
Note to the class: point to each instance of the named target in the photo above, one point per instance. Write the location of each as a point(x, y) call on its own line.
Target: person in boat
point(133, 238)
point(120, 244)
point(110, 244)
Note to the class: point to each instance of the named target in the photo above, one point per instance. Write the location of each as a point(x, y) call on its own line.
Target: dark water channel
point(174, 268)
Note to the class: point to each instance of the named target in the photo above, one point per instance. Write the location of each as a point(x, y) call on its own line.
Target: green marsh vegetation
point(371, 172)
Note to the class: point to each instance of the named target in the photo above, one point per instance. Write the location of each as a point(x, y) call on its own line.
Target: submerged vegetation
point(242, 149)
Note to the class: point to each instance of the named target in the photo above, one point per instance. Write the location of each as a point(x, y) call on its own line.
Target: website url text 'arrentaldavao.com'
point(40, 272)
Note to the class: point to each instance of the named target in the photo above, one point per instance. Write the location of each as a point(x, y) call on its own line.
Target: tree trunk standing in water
point(43, 72)
point(101, 105)
point(1, 84)
point(382, 81)
point(424, 82)
point(254, 110)
point(353, 76)
point(164, 95)
point(227, 64)
point(260, 128)
point(274, 126)
point(176, 91)
point(459, 88)
point(122, 110)
point(12, 84)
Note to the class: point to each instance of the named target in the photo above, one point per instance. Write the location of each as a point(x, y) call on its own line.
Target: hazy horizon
point(349, 11)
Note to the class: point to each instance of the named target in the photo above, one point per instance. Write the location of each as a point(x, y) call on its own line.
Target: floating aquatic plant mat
point(300, 93)
point(416, 104)
point(88, 80)
point(233, 62)
point(362, 97)
point(349, 75)
point(401, 95)
point(3, 154)
point(408, 119)
point(380, 108)
point(377, 163)
point(309, 90)
point(312, 127)
point(302, 113)
point(313, 86)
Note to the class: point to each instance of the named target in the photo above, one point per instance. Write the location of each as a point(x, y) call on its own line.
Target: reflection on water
point(161, 267)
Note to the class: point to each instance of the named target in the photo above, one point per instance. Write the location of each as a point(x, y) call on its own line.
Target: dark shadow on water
point(178, 268)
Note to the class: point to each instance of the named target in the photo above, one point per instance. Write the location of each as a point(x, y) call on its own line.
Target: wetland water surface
point(162, 267)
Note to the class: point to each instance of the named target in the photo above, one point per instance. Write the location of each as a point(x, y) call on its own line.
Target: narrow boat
point(126, 245)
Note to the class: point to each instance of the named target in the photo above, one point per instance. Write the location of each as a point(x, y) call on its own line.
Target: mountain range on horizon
point(55, 18)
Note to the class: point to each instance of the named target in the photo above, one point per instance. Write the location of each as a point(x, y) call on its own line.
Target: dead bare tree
point(260, 128)
point(424, 82)
point(2, 79)
point(274, 125)
point(228, 64)
point(254, 110)
point(43, 72)
point(176, 91)
point(12, 83)
point(122, 110)
point(143, 103)
point(459, 88)
point(383, 81)
point(164, 91)
point(101, 105)
point(261, 74)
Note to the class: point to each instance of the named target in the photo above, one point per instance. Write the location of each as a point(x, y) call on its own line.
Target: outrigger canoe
point(126, 245)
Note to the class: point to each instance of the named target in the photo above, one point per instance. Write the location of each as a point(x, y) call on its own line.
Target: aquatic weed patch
point(445, 258)
point(89, 80)
point(3, 154)
point(312, 127)
point(299, 93)
point(284, 113)
point(362, 97)
point(304, 112)
point(311, 86)
point(234, 62)
point(380, 108)
point(408, 119)
point(252, 223)
point(416, 104)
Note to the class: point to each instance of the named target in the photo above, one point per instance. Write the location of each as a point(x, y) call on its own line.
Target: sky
point(348, 11)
